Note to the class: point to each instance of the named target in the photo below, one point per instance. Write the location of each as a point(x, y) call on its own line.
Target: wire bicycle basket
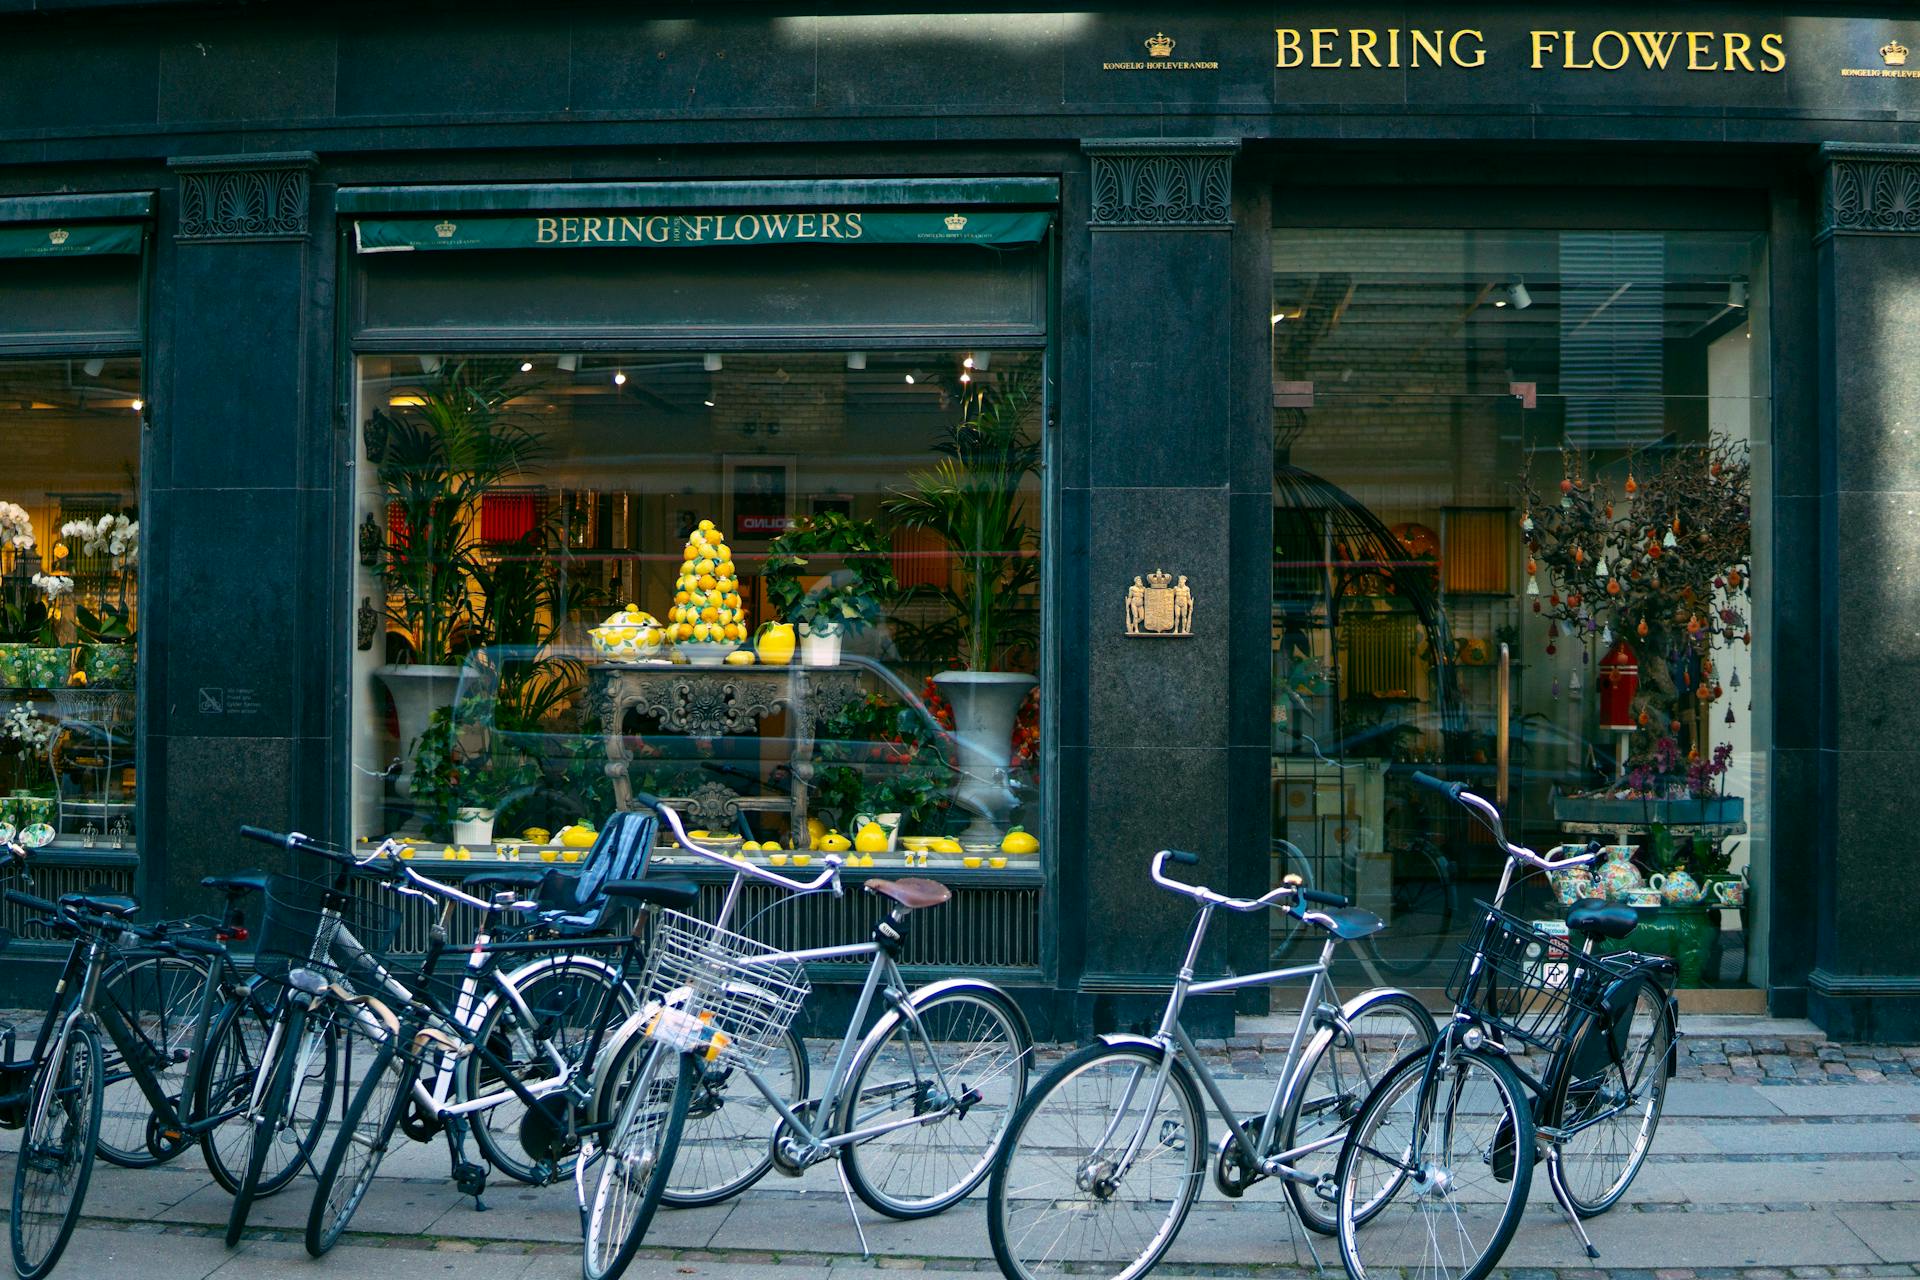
point(1529, 985)
point(303, 916)
point(715, 991)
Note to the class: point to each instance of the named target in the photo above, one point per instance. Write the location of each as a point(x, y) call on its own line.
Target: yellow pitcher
point(775, 643)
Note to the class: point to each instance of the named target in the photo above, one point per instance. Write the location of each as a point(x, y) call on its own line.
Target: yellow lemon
point(406, 851)
point(705, 566)
point(816, 831)
point(775, 643)
point(680, 597)
point(701, 632)
point(777, 859)
point(725, 570)
point(536, 835)
point(706, 526)
point(579, 837)
point(740, 658)
point(802, 859)
point(720, 551)
point(751, 846)
point(871, 838)
point(1019, 840)
point(946, 844)
point(548, 855)
point(834, 842)
point(706, 581)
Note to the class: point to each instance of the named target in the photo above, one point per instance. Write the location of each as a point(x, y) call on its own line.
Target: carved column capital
point(1869, 190)
point(1162, 184)
point(245, 197)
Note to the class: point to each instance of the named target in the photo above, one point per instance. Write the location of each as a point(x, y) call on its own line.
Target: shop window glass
point(1552, 441)
point(797, 593)
point(70, 544)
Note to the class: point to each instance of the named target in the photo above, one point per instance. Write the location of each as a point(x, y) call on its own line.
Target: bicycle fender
point(526, 972)
point(1127, 1040)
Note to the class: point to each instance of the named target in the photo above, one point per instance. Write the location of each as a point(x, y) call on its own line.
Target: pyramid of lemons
point(706, 596)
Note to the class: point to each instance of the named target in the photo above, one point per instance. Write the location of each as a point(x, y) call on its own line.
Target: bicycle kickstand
point(1304, 1235)
point(468, 1177)
point(1573, 1220)
point(846, 1189)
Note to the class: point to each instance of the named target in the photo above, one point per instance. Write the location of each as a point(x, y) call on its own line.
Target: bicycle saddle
point(1346, 923)
point(913, 893)
point(106, 904)
point(237, 882)
point(678, 894)
point(1597, 919)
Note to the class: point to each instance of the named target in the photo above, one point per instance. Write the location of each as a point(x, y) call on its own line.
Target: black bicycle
point(1438, 1164)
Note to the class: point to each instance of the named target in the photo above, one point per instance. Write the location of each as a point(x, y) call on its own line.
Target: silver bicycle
point(913, 1111)
point(1107, 1156)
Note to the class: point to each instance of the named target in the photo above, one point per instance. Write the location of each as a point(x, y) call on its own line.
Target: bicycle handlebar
point(827, 879)
point(1281, 895)
point(1489, 816)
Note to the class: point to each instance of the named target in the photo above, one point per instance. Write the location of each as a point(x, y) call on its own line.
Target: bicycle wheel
point(1420, 914)
point(294, 1034)
point(365, 1132)
point(645, 1095)
point(569, 1000)
point(1611, 1086)
point(158, 996)
point(1438, 1168)
point(961, 1059)
point(55, 1162)
point(1341, 1068)
point(234, 1051)
point(1065, 1198)
point(724, 1148)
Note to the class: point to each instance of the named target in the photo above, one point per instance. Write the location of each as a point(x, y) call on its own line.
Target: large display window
point(1554, 442)
point(70, 542)
point(796, 592)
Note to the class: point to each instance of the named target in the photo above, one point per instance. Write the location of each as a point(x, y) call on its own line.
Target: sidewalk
point(1779, 1158)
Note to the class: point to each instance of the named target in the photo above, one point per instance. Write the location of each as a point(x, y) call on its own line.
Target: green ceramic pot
point(10, 810)
point(1685, 933)
point(34, 809)
point(107, 666)
point(49, 666)
point(13, 665)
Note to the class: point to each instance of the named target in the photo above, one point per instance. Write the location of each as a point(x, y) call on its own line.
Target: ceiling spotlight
point(567, 364)
point(910, 377)
point(526, 366)
point(856, 359)
point(1737, 292)
point(965, 378)
point(1513, 295)
point(711, 362)
point(138, 405)
point(967, 363)
point(94, 367)
point(619, 378)
point(707, 403)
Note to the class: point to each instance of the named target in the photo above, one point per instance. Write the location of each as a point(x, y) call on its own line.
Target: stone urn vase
point(985, 705)
point(417, 692)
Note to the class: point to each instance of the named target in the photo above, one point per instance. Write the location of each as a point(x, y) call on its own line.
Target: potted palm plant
point(844, 600)
point(973, 499)
point(437, 460)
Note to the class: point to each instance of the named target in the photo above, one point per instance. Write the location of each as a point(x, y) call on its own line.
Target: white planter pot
point(985, 705)
point(473, 826)
point(819, 649)
point(417, 692)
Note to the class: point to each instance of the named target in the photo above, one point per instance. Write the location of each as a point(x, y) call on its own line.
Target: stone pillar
point(1865, 983)
point(1160, 483)
point(235, 638)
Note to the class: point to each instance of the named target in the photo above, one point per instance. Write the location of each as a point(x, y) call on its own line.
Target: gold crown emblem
point(445, 230)
point(956, 222)
point(1159, 45)
point(58, 237)
point(1159, 579)
point(1893, 53)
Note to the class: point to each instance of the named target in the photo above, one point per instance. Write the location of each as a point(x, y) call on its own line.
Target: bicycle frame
point(223, 984)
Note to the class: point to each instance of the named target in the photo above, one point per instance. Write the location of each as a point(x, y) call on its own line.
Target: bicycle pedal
point(471, 1179)
point(1327, 1189)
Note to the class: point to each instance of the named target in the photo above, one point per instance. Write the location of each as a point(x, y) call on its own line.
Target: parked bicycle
point(1438, 1163)
point(1106, 1157)
point(914, 1108)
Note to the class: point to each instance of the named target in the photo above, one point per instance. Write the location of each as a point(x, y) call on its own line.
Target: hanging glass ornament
point(1613, 586)
point(1533, 583)
point(1533, 566)
point(1669, 542)
point(1553, 630)
point(1526, 523)
point(1573, 601)
point(1645, 719)
point(1556, 688)
point(1633, 486)
point(1574, 682)
point(1536, 606)
point(1606, 635)
point(1729, 715)
point(1733, 579)
point(1600, 569)
point(1734, 681)
point(1609, 511)
point(1643, 628)
point(1552, 648)
point(1579, 556)
point(1566, 484)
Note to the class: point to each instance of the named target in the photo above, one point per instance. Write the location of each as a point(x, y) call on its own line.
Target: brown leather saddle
point(913, 893)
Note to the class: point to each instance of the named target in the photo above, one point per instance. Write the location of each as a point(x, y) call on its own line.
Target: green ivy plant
point(448, 777)
point(877, 756)
point(851, 596)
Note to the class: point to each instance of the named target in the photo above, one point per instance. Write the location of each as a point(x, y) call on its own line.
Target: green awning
point(51, 241)
point(684, 228)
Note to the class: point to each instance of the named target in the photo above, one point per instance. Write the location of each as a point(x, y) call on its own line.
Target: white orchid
point(32, 732)
point(53, 585)
point(16, 527)
point(114, 535)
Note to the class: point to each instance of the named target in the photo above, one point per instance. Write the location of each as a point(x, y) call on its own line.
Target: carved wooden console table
point(713, 702)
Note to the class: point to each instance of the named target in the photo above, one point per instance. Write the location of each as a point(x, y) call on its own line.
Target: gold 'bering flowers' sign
point(1353, 48)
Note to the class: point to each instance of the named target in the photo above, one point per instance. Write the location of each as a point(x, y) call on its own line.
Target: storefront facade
point(1181, 411)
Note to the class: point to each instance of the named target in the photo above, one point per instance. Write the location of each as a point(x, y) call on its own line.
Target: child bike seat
point(677, 894)
point(1346, 923)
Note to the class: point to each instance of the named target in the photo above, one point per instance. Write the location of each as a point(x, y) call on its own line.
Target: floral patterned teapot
point(1677, 887)
point(1617, 874)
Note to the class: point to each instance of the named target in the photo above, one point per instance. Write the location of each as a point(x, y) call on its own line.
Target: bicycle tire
point(60, 1138)
point(1378, 1183)
point(1336, 1076)
point(359, 1145)
point(158, 995)
point(640, 1119)
point(1424, 908)
point(944, 1159)
point(225, 1086)
point(1029, 1181)
point(562, 990)
point(1586, 1076)
point(262, 1124)
point(702, 1174)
